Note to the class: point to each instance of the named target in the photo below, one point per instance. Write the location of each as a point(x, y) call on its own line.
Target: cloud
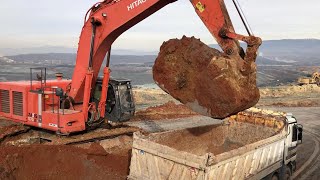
point(59, 22)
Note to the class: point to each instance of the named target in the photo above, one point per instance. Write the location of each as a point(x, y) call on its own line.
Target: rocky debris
point(204, 79)
point(283, 91)
point(12, 130)
point(261, 117)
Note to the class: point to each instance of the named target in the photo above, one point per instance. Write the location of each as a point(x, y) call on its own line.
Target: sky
point(36, 23)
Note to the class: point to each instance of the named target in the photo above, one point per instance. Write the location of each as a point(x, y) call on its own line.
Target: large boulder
point(206, 80)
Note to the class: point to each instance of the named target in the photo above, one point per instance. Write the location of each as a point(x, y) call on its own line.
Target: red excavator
point(86, 101)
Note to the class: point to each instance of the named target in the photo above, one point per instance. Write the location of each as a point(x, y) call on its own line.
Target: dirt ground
point(281, 96)
point(290, 96)
point(22, 157)
point(65, 162)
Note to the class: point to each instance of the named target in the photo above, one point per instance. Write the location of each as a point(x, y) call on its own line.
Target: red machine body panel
point(22, 103)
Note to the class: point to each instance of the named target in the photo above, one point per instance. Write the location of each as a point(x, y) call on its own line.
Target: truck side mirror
point(297, 133)
point(300, 129)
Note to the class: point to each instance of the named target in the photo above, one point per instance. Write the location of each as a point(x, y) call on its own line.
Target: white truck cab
point(293, 139)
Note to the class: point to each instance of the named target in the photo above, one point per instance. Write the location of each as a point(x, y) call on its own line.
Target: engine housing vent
point(17, 103)
point(5, 101)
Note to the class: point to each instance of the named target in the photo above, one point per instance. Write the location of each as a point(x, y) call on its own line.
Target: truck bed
point(240, 148)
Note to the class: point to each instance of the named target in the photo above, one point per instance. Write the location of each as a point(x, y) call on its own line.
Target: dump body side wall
point(249, 165)
point(154, 161)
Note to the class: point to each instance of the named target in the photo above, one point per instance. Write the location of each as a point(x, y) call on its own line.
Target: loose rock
point(209, 82)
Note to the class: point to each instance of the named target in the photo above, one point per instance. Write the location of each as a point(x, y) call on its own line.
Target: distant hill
point(70, 58)
point(280, 62)
point(292, 51)
point(302, 52)
point(36, 50)
point(288, 47)
point(65, 50)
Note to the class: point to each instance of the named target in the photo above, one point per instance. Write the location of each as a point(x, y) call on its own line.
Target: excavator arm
point(107, 20)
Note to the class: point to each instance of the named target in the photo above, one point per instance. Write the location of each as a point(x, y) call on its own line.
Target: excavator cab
point(120, 104)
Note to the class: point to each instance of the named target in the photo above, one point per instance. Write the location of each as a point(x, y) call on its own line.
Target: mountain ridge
point(272, 52)
point(279, 45)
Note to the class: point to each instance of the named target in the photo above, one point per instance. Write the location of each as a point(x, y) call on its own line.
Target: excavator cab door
point(120, 105)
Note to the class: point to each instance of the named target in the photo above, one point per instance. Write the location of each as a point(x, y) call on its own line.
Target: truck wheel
point(288, 174)
point(275, 176)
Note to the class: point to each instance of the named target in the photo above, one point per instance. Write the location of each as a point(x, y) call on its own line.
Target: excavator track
point(12, 130)
point(87, 137)
point(16, 134)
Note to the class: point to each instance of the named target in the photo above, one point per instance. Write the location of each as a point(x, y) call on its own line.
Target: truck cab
point(293, 139)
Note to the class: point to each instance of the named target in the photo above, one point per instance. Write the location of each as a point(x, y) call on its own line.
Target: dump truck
point(250, 145)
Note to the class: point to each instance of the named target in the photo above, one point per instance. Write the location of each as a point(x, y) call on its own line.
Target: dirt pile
point(215, 139)
point(62, 162)
point(206, 80)
point(289, 90)
point(169, 110)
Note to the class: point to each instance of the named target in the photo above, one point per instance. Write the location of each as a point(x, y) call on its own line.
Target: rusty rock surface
point(206, 80)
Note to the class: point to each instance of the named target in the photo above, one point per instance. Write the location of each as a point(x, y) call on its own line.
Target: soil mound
point(61, 162)
point(169, 110)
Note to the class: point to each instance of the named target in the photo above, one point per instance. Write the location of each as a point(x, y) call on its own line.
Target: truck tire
point(275, 176)
point(288, 174)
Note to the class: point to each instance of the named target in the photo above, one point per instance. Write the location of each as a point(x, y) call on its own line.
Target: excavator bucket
point(206, 80)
